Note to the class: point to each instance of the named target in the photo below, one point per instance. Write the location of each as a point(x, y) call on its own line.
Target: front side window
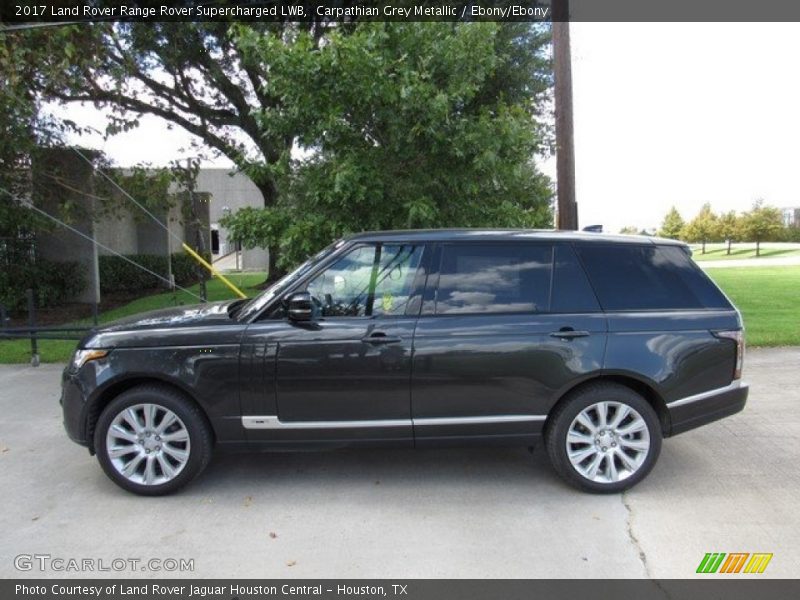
point(368, 281)
point(494, 278)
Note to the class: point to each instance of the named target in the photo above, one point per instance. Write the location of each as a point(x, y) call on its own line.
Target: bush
point(53, 283)
point(118, 275)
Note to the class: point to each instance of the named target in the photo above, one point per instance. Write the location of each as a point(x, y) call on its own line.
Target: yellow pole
point(213, 271)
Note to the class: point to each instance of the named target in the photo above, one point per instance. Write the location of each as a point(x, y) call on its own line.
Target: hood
point(213, 313)
point(180, 325)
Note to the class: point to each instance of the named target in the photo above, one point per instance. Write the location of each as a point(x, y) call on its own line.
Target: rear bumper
point(700, 409)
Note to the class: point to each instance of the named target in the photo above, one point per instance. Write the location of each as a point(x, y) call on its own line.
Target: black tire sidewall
point(556, 435)
point(185, 409)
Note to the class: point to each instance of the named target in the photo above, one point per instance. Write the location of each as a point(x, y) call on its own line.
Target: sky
point(665, 114)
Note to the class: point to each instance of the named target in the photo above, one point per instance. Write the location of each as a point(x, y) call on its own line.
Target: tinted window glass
point(367, 281)
point(494, 278)
point(571, 290)
point(647, 278)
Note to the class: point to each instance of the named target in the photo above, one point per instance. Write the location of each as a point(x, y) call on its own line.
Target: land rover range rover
point(598, 346)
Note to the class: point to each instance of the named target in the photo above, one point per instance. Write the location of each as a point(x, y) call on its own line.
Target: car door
point(344, 376)
point(496, 342)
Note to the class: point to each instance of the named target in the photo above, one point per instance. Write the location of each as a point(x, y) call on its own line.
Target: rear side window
point(628, 277)
point(494, 278)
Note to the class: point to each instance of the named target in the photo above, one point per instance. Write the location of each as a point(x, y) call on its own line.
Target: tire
point(602, 458)
point(160, 430)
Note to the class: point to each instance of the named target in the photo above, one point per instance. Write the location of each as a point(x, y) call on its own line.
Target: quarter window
point(367, 281)
point(648, 277)
point(494, 278)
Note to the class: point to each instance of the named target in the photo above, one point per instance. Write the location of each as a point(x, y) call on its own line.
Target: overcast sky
point(665, 114)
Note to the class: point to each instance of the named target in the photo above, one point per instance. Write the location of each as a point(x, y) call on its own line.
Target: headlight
point(81, 357)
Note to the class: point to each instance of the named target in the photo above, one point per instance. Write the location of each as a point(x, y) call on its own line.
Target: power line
point(104, 247)
point(131, 198)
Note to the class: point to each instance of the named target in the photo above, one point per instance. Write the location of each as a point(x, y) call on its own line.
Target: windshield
point(255, 305)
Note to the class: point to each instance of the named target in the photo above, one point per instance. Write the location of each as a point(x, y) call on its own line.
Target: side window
point(494, 278)
point(571, 290)
point(651, 277)
point(368, 281)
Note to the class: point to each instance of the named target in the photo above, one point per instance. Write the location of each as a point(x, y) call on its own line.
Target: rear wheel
point(603, 438)
point(152, 440)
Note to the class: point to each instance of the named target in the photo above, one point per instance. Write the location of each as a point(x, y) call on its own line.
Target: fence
point(35, 332)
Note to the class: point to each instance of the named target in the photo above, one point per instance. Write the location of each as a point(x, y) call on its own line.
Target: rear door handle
point(569, 334)
point(379, 337)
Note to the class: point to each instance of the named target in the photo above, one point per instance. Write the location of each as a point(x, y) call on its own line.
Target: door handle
point(567, 333)
point(379, 337)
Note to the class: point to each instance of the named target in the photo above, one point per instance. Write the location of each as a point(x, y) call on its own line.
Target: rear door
point(497, 341)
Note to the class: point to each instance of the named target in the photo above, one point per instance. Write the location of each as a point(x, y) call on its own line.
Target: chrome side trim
point(273, 422)
point(479, 420)
point(734, 385)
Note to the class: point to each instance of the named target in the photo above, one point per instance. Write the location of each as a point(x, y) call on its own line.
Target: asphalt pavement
point(732, 486)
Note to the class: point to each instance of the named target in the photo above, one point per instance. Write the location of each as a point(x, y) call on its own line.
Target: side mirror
point(299, 306)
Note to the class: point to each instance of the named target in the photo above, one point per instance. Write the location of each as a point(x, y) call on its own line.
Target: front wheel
point(604, 438)
point(152, 440)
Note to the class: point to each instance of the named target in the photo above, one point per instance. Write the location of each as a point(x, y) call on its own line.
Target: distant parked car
point(598, 345)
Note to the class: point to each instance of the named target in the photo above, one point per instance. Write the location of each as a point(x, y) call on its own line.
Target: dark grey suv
point(598, 345)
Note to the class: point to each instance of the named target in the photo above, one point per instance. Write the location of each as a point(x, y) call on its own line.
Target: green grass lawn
point(19, 351)
point(739, 251)
point(769, 298)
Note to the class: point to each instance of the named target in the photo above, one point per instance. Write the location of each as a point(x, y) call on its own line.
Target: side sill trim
point(272, 422)
point(734, 385)
point(479, 420)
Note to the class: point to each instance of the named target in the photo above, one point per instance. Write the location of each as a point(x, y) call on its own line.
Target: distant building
point(791, 217)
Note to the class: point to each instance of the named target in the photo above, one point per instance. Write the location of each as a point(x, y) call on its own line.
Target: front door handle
point(567, 333)
point(378, 337)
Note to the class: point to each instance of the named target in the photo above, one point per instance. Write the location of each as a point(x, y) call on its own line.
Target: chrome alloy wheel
point(608, 442)
point(148, 444)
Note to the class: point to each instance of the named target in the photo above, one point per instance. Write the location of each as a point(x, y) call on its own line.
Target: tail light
point(738, 337)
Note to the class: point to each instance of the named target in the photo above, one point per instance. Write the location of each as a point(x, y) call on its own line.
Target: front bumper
point(700, 409)
point(74, 406)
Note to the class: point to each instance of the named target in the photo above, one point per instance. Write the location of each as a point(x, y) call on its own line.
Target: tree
point(672, 225)
point(729, 228)
point(236, 86)
point(398, 133)
point(703, 228)
point(629, 230)
point(761, 224)
point(193, 75)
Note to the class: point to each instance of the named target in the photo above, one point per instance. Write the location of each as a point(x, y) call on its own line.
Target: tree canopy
point(672, 225)
point(397, 124)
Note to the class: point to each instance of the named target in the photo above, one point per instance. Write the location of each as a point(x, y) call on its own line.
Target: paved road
point(730, 487)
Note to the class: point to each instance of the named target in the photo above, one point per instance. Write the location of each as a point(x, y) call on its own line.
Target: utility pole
point(200, 238)
point(565, 141)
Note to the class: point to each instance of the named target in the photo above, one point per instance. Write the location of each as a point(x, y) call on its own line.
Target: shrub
point(53, 283)
point(119, 275)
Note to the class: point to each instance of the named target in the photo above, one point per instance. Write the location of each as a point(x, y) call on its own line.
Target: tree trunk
point(758, 248)
point(269, 192)
point(704, 247)
point(729, 246)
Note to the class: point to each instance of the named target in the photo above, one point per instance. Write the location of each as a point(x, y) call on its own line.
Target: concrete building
point(128, 230)
point(791, 216)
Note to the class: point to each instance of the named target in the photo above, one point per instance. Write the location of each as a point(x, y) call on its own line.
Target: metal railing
point(35, 333)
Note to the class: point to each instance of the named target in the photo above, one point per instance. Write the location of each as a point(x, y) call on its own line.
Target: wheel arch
point(641, 386)
point(105, 395)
